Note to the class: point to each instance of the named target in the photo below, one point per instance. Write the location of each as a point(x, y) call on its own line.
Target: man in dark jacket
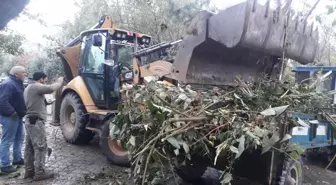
point(12, 111)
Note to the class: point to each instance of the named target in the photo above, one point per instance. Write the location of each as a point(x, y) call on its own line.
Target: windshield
point(123, 53)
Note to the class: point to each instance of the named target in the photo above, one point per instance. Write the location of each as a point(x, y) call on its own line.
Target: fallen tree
point(165, 126)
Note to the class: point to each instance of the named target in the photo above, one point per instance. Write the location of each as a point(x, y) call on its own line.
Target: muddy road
point(315, 174)
point(69, 162)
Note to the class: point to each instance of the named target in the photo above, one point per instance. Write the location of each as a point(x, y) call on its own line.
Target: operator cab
point(106, 60)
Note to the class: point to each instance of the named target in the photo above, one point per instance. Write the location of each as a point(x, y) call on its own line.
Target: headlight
point(124, 36)
point(118, 35)
point(129, 75)
point(143, 39)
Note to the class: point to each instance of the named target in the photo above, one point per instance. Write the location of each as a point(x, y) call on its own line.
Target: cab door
point(91, 67)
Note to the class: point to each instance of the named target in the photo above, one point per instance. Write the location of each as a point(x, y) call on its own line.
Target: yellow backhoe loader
point(248, 40)
point(95, 65)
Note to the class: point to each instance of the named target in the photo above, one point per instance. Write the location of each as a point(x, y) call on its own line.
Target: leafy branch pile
point(165, 126)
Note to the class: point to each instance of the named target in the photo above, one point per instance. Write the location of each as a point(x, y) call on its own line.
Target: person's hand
point(60, 80)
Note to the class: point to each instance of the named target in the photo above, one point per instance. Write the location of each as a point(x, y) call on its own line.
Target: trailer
point(316, 130)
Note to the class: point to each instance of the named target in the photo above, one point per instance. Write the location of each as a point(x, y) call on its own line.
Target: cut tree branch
point(311, 10)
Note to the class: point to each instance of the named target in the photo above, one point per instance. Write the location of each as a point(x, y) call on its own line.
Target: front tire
point(73, 118)
point(114, 153)
point(292, 173)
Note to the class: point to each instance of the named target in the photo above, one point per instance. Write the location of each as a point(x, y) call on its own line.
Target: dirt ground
point(315, 174)
point(69, 162)
point(86, 165)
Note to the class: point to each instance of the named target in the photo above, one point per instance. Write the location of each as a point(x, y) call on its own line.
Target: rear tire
point(73, 120)
point(292, 173)
point(114, 153)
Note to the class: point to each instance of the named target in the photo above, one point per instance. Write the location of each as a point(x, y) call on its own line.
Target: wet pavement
point(315, 174)
point(69, 162)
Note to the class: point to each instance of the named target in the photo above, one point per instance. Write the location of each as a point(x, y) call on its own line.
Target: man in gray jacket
point(36, 116)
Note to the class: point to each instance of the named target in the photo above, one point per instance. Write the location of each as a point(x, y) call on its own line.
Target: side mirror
point(97, 40)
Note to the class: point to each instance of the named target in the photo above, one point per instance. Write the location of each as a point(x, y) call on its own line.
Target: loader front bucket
point(243, 40)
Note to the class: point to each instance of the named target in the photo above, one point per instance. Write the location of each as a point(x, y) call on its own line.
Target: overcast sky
point(57, 11)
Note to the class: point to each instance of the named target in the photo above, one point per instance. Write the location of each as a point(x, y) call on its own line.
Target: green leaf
point(227, 178)
point(268, 112)
point(293, 146)
point(241, 100)
point(162, 95)
point(174, 142)
point(182, 97)
point(185, 147)
point(251, 135)
point(114, 131)
point(132, 140)
point(333, 23)
point(314, 122)
point(146, 127)
point(294, 154)
point(187, 103)
point(330, 9)
point(268, 143)
point(234, 149)
point(241, 146)
point(150, 106)
point(221, 136)
point(275, 111)
point(136, 98)
point(318, 19)
point(236, 96)
point(280, 110)
point(259, 132)
point(285, 138)
point(302, 123)
point(295, 150)
point(163, 109)
point(177, 152)
point(219, 149)
point(160, 117)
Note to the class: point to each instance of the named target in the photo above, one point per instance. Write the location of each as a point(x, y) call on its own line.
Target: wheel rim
point(70, 119)
point(293, 176)
point(115, 146)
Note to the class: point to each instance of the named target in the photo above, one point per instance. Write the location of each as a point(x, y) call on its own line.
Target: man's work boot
point(19, 163)
point(43, 176)
point(8, 169)
point(29, 174)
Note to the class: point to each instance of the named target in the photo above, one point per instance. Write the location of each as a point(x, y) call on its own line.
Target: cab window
point(93, 56)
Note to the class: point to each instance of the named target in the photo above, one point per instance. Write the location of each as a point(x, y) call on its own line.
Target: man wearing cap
point(12, 110)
